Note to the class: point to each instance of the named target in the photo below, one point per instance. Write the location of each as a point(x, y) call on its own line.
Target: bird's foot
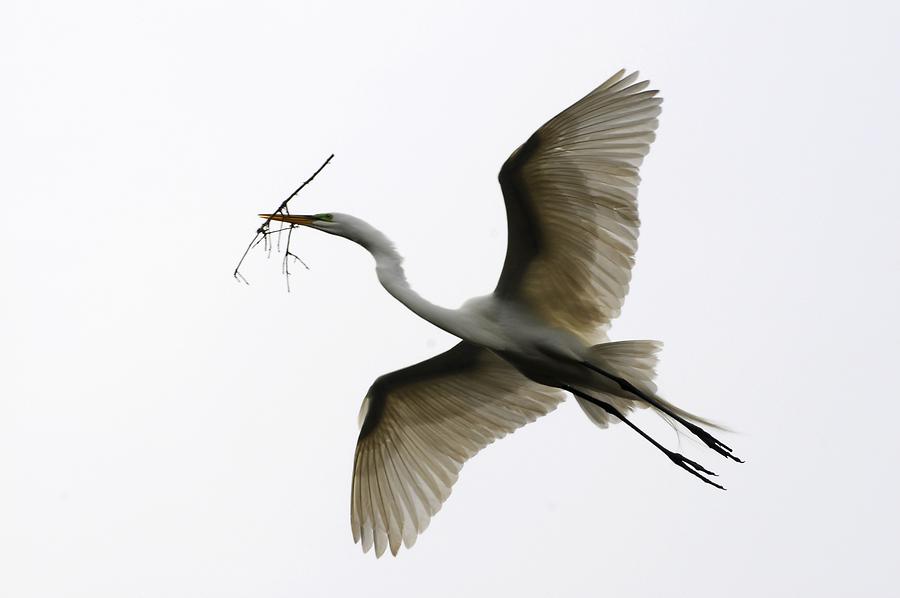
point(711, 441)
point(692, 467)
point(707, 438)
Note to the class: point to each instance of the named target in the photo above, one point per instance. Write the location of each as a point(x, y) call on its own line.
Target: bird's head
point(333, 223)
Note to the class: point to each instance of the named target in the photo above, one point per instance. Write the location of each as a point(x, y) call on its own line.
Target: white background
point(167, 432)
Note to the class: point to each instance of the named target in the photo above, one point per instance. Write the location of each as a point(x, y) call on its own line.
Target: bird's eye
point(325, 217)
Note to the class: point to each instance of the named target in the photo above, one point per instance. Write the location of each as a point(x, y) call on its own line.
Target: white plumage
point(571, 202)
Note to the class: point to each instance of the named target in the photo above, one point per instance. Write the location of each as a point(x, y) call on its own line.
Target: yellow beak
point(304, 220)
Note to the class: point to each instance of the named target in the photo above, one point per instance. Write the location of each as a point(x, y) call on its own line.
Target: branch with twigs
point(264, 232)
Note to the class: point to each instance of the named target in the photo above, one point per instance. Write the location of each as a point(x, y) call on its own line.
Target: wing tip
point(623, 79)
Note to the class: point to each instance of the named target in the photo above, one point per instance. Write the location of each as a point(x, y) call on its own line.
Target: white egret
point(571, 207)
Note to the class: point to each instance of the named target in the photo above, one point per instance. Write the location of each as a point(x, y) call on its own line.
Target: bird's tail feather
point(634, 361)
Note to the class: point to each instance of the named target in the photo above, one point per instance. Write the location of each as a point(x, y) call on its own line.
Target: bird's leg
point(678, 459)
point(707, 438)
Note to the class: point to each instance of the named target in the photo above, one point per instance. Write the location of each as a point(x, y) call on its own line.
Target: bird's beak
point(290, 219)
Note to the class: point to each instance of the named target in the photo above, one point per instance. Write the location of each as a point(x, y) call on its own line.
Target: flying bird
point(572, 220)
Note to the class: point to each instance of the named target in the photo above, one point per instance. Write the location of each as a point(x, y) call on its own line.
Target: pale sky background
point(168, 432)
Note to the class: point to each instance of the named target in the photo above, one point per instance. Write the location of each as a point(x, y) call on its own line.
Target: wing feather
point(419, 426)
point(571, 203)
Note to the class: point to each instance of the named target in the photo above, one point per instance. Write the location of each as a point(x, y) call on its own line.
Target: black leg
point(707, 438)
point(678, 459)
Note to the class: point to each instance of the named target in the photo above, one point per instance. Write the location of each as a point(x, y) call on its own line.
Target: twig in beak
point(263, 232)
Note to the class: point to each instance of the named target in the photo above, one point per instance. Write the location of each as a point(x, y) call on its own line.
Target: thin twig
point(263, 232)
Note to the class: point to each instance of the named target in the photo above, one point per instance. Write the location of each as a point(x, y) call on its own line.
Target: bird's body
point(507, 327)
point(570, 194)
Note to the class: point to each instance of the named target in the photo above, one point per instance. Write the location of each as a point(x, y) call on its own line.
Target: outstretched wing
point(419, 425)
point(571, 207)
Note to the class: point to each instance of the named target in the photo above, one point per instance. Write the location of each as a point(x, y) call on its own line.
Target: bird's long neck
point(389, 267)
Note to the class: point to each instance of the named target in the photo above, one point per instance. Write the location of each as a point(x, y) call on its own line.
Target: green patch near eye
point(325, 217)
